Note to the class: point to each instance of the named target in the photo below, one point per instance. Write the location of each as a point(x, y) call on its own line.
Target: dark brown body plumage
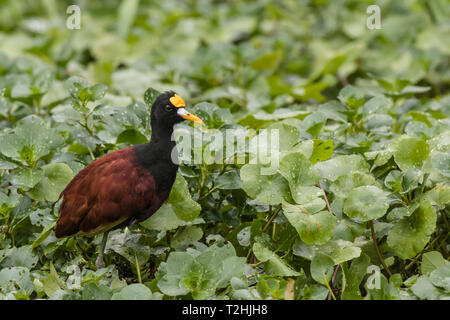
point(111, 192)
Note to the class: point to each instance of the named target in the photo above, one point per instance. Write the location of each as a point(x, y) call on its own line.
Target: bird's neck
point(160, 157)
point(162, 143)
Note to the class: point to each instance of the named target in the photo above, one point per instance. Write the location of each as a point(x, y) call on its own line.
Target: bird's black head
point(169, 109)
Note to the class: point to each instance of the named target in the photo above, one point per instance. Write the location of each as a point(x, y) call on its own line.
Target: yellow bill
point(189, 116)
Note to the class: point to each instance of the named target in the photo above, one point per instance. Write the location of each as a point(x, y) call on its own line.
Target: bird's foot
point(100, 263)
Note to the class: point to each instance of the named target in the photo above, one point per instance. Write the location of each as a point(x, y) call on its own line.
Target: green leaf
point(341, 165)
point(267, 61)
point(418, 130)
point(366, 203)
point(187, 236)
point(322, 268)
point(313, 228)
point(98, 91)
point(131, 246)
point(179, 265)
point(21, 91)
point(130, 137)
point(352, 96)
point(56, 177)
point(150, 96)
point(301, 176)
point(8, 203)
point(424, 289)
point(26, 177)
point(288, 135)
point(440, 277)
point(322, 150)
point(385, 290)
point(410, 152)
point(410, 235)
point(441, 162)
point(78, 148)
point(316, 292)
point(229, 181)
point(338, 250)
point(30, 140)
point(181, 202)
point(353, 276)
point(313, 123)
point(178, 209)
point(343, 185)
point(19, 257)
point(211, 114)
point(270, 287)
point(135, 291)
point(94, 291)
point(393, 181)
point(439, 195)
point(269, 189)
point(431, 261)
point(44, 234)
point(377, 104)
point(199, 273)
point(16, 280)
point(275, 264)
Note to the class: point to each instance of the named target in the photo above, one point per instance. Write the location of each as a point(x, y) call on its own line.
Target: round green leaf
point(340, 165)
point(314, 228)
point(410, 152)
point(410, 235)
point(366, 203)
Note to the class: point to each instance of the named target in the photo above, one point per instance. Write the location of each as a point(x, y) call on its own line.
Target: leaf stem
point(377, 249)
point(331, 291)
point(325, 198)
point(210, 191)
point(91, 154)
point(202, 182)
point(138, 268)
point(266, 227)
point(332, 280)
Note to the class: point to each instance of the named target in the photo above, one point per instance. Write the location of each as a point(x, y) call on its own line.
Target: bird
point(125, 186)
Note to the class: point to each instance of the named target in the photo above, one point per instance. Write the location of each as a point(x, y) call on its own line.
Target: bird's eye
point(169, 108)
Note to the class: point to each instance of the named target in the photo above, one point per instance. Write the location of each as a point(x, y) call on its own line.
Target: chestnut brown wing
point(106, 193)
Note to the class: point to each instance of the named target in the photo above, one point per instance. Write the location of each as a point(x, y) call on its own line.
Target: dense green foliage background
point(364, 125)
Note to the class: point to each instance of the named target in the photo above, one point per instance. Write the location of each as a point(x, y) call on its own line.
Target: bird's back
point(111, 191)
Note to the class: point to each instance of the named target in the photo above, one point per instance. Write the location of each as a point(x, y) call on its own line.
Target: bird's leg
point(100, 263)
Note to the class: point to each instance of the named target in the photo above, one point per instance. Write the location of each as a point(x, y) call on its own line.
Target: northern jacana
point(125, 186)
